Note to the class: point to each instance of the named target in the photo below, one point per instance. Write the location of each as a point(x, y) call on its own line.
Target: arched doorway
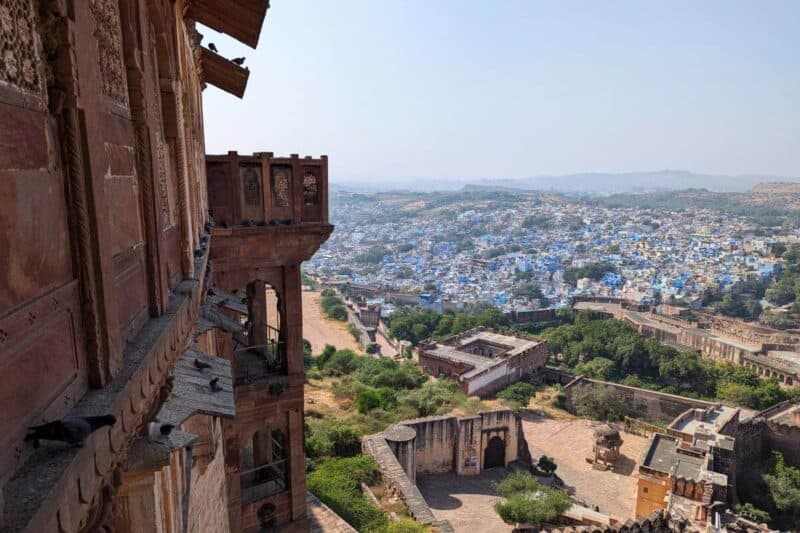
point(495, 453)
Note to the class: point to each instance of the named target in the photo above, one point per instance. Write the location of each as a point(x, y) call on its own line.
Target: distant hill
point(639, 182)
point(587, 183)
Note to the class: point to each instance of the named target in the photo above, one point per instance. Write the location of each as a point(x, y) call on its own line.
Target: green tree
point(528, 502)
point(784, 488)
point(599, 402)
point(518, 394)
point(597, 368)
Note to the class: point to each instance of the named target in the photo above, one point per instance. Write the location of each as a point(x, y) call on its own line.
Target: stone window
point(310, 189)
point(264, 465)
point(281, 186)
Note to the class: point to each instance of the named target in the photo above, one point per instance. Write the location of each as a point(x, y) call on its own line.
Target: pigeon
point(200, 365)
point(204, 239)
point(71, 429)
point(248, 223)
point(248, 324)
point(213, 47)
point(243, 300)
point(198, 253)
point(166, 429)
point(214, 384)
point(238, 61)
point(207, 227)
point(211, 291)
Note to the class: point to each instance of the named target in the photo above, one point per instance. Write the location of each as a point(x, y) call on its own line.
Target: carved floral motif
point(108, 34)
point(280, 186)
point(19, 45)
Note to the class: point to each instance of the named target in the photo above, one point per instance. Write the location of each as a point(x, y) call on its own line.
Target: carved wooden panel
point(20, 59)
point(108, 34)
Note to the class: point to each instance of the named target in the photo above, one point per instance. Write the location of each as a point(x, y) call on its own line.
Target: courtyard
point(569, 442)
point(468, 500)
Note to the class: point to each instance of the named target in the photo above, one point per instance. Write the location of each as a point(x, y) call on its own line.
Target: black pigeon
point(248, 324)
point(166, 429)
point(71, 429)
point(213, 47)
point(211, 291)
point(200, 365)
point(248, 223)
point(198, 253)
point(214, 384)
point(238, 61)
point(203, 239)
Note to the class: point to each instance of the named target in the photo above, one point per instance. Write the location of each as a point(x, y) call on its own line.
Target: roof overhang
point(223, 74)
point(241, 19)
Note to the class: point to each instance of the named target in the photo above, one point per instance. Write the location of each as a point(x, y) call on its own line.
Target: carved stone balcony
point(268, 211)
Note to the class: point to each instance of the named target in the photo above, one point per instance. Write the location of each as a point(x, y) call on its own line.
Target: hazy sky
point(470, 89)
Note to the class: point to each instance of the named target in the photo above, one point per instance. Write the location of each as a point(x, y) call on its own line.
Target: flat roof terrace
point(714, 419)
point(516, 345)
point(663, 456)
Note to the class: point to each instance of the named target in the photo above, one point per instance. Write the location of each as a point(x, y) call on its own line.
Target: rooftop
point(663, 456)
point(713, 419)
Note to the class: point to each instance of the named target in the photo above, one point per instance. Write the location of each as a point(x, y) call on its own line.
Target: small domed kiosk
point(607, 442)
point(401, 440)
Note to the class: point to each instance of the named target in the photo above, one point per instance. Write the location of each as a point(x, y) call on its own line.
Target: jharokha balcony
point(267, 210)
point(269, 214)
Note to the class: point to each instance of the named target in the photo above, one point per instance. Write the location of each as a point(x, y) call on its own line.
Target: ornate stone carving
point(281, 177)
point(162, 182)
point(310, 189)
point(20, 58)
point(112, 67)
point(251, 186)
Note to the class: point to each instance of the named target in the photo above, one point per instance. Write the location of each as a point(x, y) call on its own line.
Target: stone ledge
point(398, 481)
point(57, 487)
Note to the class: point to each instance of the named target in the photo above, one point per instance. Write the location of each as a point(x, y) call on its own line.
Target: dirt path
point(320, 331)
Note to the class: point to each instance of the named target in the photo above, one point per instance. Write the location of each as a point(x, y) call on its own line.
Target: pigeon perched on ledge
point(71, 429)
point(213, 47)
point(200, 365)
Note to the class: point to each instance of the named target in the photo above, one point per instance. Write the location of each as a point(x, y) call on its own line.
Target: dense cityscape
point(495, 247)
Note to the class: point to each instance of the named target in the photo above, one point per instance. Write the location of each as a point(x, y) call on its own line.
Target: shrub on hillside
point(341, 362)
point(337, 484)
point(345, 440)
point(517, 394)
point(369, 399)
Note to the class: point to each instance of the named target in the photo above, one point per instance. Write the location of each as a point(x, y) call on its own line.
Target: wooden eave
point(223, 74)
point(241, 19)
